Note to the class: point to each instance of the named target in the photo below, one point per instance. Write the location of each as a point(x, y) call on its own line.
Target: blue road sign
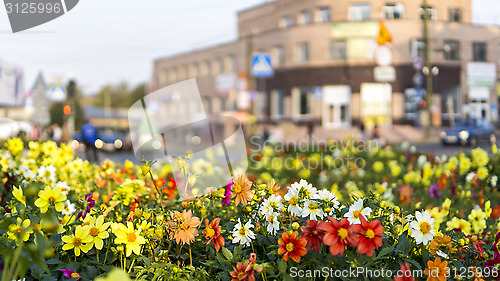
point(261, 66)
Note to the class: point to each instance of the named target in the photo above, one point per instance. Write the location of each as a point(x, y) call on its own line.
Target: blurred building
point(324, 57)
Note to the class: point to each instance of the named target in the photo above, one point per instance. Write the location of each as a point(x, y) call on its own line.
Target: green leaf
point(403, 243)
point(227, 254)
point(282, 266)
point(386, 251)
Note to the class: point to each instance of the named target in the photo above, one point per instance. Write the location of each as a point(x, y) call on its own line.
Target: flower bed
point(382, 214)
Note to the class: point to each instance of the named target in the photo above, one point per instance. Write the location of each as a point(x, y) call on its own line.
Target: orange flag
point(384, 36)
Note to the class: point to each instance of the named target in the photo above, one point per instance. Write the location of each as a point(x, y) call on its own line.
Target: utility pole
point(427, 62)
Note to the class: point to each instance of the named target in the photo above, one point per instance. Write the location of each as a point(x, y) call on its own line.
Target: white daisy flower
point(271, 205)
point(70, 208)
point(292, 197)
point(312, 210)
point(423, 227)
point(493, 181)
point(356, 210)
point(273, 225)
point(328, 197)
point(306, 190)
point(47, 173)
point(243, 234)
point(64, 187)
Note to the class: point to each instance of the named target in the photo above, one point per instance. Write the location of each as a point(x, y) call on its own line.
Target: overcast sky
point(102, 41)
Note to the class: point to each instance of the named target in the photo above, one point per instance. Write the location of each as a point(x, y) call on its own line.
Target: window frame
point(357, 11)
point(476, 53)
point(393, 8)
point(321, 12)
point(335, 48)
point(450, 55)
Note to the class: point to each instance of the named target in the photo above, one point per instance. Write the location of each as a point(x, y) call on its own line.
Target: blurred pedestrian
point(56, 134)
point(89, 136)
point(362, 131)
point(36, 132)
point(376, 132)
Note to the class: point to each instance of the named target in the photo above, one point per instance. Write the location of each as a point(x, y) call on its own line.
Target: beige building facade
point(324, 55)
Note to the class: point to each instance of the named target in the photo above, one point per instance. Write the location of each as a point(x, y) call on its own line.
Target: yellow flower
point(487, 209)
point(20, 230)
point(482, 173)
point(479, 157)
point(130, 237)
point(80, 241)
point(446, 205)
point(15, 145)
point(98, 230)
point(18, 194)
point(378, 166)
point(478, 220)
point(50, 196)
point(461, 224)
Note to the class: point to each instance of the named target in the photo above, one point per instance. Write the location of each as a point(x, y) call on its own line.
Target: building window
point(208, 66)
point(343, 113)
point(454, 14)
point(451, 50)
point(417, 48)
point(360, 12)
point(234, 63)
point(303, 52)
point(479, 51)
point(338, 50)
point(174, 75)
point(304, 106)
point(231, 65)
point(305, 17)
point(393, 11)
point(194, 70)
point(279, 56)
point(324, 14)
point(220, 65)
point(430, 11)
point(163, 77)
point(286, 22)
point(277, 100)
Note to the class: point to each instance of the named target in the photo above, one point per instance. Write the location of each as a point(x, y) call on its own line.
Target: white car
point(11, 128)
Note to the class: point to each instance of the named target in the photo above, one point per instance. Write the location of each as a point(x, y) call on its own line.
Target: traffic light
point(67, 109)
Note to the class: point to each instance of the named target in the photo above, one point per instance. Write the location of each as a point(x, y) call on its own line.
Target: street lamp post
point(427, 62)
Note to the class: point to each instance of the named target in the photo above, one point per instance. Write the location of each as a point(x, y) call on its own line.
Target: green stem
point(106, 256)
point(133, 261)
point(190, 256)
point(157, 190)
point(97, 254)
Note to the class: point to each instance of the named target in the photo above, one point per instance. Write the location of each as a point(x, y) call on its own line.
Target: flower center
point(52, 200)
point(74, 275)
point(369, 234)
point(292, 201)
point(290, 247)
point(240, 274)
point(94, 231)
point(343, 233)
point(210, 232)
point(356, 213)
point(313, 206)
point(425, 227)
point(77, 242)
point(19, 230)
point(132, 237)
point(237, 188)
point(243, 231)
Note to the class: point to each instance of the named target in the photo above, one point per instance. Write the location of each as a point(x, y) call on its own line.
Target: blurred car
point(108, 139)
point(469, 132)
point(10, 128)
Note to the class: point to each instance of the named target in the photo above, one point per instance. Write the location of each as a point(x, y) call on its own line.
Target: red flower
point(246, 270)
point(338, 235)
point(477, 243)
point(370, 236)
point(169, 188)
point(404, 274)
point(313, 235)
point(213, 233)
point(495, 214)
point(292, 246)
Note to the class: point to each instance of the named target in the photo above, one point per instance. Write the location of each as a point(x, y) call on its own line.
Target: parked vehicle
point(108, 139)
point(469, 132)
point(10, 128)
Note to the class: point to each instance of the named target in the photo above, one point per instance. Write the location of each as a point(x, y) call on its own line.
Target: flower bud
point(145, 168)
point(295, 225)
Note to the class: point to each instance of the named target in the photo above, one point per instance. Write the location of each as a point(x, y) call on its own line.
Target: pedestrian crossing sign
point(261, 66)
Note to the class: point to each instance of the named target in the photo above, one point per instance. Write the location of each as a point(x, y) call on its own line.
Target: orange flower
point(441, 243)
point(212, 232)
point(437, 270)
point(292, 246)
point(241, 190)
point(186, 228)
point(338, 235)
point(370, 236)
